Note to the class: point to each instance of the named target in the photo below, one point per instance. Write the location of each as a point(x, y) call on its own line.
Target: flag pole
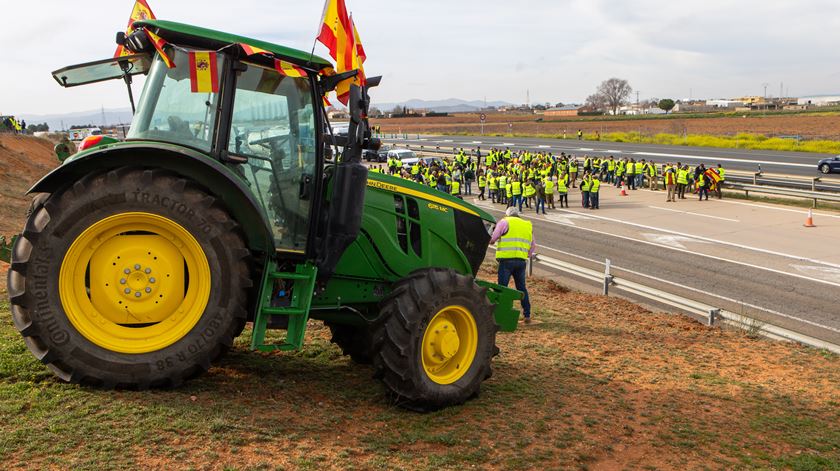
point(318, 30)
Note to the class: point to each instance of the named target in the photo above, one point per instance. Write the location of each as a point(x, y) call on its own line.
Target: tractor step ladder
point(301, 284)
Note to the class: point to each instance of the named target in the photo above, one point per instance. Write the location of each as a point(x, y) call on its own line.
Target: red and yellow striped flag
point(204, 73)
point(288, 69)
point(251, 50)
point(159, 43)
point(357, 63)
point(141, 11)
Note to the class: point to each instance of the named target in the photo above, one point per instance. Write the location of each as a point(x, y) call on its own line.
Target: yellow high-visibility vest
point(516, 243)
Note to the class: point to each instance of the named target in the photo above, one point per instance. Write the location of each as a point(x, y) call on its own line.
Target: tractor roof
point(182, 34)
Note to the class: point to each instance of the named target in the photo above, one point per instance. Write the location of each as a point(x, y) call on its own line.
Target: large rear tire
point(129, 278)
point(435, 342)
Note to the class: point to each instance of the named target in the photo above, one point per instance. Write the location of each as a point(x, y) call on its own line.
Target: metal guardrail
point(712, 315)
point(757, 182)
point(774, 190)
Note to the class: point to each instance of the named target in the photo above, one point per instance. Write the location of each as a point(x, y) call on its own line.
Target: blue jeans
point(515, 267)
point(593, 199)
point(540, 203)
point(517, 201)
point(585, 198)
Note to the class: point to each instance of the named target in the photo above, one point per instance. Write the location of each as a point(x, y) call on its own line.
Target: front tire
point(825, 169)
point(129, 278)
point(435, 342)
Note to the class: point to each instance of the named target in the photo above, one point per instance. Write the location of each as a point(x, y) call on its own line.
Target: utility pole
point(528, 98)
point(765, 85)
point(637, 98)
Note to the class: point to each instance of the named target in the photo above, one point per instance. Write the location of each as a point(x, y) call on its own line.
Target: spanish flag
point(204, 73)
point(251, 50)
point(288, 69)
point(141, 11)
point(337, 34)
point(159, 44)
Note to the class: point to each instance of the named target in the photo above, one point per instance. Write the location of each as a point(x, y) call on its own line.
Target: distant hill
point(452, 105)
point(112, 116)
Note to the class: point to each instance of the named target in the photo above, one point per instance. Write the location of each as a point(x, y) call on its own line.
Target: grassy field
point(594, 383)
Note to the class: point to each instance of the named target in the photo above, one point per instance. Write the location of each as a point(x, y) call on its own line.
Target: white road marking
point(694, 214)
point(509, 144)
point(719, 159)
point(613, 151)
point(829, 274)
point(716, 241)
point(565, 219)
point(446, 140)
point(699, 254)
point(771, 311)
point(671, 240)
point(477, 142)
point(799, 211)
point(544, 147)
point(586, 149)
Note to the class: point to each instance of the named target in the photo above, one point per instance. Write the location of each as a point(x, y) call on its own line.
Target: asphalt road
point(803, 164)
point(755, 260)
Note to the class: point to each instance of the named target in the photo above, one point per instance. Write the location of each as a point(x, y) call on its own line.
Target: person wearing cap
point(514, 238)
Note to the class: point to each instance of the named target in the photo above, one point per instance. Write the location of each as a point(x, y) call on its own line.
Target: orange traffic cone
point(623, 193)
point(810, 221)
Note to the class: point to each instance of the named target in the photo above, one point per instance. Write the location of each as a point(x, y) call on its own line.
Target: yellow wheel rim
point(449, 344)
point(134, 283)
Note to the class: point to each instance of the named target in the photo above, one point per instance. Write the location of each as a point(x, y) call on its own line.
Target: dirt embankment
point(806, 126)
point(23, 160)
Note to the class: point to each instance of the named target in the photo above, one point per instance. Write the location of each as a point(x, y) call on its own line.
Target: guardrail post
point(814, 183)
point(607, 278)
point(714, 314)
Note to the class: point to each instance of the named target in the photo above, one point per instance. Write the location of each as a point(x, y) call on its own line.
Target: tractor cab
point(239, 109)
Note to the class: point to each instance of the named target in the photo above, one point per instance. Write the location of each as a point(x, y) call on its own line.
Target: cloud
point(558, 49)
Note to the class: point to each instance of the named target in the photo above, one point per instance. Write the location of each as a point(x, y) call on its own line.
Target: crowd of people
point(12, 125)
point(541, 180)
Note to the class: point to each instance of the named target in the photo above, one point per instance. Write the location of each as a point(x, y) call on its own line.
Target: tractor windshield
point(273, 126)
point(168, 109)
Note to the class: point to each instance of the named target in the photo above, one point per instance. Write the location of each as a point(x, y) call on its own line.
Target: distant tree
point(666, 104)
point(43, 127)
point(397, 110)
point(559, 104)
point(614, 93)
point(595, 102)
point(374, 112)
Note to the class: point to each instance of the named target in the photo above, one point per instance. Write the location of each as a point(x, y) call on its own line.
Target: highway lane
point(716, 274)
point(790, 163)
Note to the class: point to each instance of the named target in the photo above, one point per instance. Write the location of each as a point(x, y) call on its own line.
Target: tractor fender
point(218, 179)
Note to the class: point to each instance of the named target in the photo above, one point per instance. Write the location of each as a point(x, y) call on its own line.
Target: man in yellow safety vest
point(514, 238)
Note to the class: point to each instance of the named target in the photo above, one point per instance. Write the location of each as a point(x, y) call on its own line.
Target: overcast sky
point(471, 49)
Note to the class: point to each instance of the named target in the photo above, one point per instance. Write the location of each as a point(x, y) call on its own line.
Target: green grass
point(554, 407)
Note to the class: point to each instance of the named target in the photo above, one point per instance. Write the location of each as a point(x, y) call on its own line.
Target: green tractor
point(141, 261)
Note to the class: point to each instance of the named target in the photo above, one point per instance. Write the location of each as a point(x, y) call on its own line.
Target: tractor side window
point(170, 111)
point(273, 125)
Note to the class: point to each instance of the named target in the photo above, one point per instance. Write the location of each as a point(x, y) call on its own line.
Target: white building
point(820, 100)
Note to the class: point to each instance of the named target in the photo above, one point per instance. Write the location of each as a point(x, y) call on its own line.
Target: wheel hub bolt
point(151, 280)
point(138, 294)
point(122, 281)
point(127, 290)
point(148, 290)
point(148, 270)
point(137, 266)
point(126, 271)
